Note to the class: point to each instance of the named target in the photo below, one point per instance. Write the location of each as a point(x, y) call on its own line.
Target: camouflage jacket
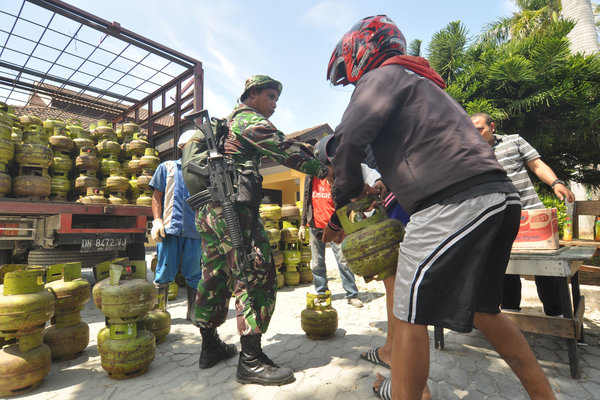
point(252, 136)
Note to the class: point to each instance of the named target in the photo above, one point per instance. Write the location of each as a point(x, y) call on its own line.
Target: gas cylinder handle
point(351, 226)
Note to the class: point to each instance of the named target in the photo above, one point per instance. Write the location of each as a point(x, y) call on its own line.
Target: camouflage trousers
point(221, 274)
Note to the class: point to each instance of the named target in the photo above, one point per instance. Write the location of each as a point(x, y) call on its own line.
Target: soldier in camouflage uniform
point(251, 136)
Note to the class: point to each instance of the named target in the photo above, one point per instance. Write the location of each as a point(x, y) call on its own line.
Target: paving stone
point(511, 388)
point(484, 384)
point(467, 364)
point(573, 388)
point(459, 377)
point(593, 389)
point(468, 367)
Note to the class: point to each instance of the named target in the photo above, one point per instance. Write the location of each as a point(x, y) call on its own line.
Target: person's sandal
point(385, 389)
point(355, 302)
point(373, 357)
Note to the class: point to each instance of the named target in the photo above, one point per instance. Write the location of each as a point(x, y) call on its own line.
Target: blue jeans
point(320, 270)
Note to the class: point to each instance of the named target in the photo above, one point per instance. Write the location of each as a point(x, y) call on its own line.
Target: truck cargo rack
point(58, 61)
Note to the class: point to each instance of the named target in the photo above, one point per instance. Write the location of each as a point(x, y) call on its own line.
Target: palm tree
point(530, 81)
point(414, 48)
point(584, 37)
point(447, 49)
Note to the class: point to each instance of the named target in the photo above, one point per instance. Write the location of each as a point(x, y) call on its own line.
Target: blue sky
point(288, 40)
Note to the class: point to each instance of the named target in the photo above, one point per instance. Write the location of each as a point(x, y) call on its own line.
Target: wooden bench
point(589, 274)
point(580, 208)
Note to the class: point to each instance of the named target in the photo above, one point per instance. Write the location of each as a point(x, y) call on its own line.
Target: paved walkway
point(326, 369)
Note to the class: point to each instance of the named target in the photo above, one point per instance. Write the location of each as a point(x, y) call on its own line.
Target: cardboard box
point(538, 230)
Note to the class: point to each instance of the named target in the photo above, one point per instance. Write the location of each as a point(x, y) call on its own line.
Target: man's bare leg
point(510, 343)
point(410, 360)
point(385, 351)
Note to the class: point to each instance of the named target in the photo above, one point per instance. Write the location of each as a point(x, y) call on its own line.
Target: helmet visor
point(337, 72)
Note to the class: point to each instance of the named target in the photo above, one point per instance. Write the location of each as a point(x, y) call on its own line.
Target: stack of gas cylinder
point(7, 152)
point(62, 146)
point(126, 348)
point(291, 256)
point(68, 335)
point(142, 165)
point(33, 157)
point(290, 221)
point(271, 214)
point(87, 163)
point(306, 275)
point(110, 166)
point(25, 306)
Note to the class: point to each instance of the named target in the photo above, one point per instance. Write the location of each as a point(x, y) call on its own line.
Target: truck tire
point(63, 254)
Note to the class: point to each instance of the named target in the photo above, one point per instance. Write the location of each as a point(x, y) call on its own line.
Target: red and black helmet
point(325, 149)
point(364, 47)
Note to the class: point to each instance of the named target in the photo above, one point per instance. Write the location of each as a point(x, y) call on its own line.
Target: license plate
point(89, 245)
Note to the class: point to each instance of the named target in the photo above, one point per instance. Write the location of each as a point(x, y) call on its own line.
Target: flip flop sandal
point(385, 390)
point(373, 357)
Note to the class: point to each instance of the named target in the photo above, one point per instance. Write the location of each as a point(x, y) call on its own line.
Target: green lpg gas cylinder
point(277, 256)
point(306, 275)
point(270, 212)
point(67, 342)
point(127, 358)
point(290, 212)
point(305, 254)
point(101, 274)
point(291, 276)
point(289, 234)
point(68, 336)
point(173, 291)
point(25, 305)
point(130, 299)
point(274, 235)
point(103, 334)
point(21, 372)
point(319, 320)
point(371, 243)
point(70, 290)
point(291, 254)
point(159, 321)
point(280, 280)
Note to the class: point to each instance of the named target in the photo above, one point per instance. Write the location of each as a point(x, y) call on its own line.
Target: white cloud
point(217, 105)
point(334, 17)
point(285, 120)
point(509, 7)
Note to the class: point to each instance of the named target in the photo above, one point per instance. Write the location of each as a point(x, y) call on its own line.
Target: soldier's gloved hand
point(302, 233)
point(158, 230)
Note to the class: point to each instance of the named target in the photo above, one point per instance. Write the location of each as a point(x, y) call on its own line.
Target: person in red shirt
point(317, 209)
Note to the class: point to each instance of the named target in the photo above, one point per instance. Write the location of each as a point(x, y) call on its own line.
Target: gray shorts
point(452, 260)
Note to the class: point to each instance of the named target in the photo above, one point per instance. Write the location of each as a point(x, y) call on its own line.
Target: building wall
point(290, 183)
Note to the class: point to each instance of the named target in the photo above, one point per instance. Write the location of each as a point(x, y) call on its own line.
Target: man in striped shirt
point(514, 153)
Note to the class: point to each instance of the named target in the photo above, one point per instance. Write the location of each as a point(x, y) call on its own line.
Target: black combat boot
point(255, 367)
point(214, 349)
point(191, 304)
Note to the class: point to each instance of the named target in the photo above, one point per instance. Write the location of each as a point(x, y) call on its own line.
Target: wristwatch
point(556, 182)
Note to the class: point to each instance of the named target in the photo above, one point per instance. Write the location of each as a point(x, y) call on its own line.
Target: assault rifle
point(220, 171)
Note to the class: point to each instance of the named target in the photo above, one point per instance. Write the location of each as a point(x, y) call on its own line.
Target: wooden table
point(563, 263)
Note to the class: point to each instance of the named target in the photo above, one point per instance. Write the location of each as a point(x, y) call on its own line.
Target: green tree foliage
point(414, 48)
point(446, 50)
point(520, 71)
